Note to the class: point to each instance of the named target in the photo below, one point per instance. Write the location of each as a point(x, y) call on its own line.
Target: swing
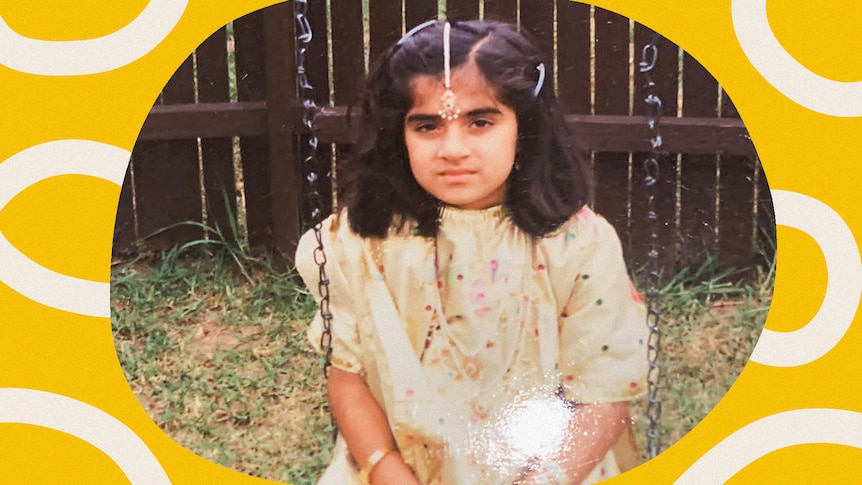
point(653, 105)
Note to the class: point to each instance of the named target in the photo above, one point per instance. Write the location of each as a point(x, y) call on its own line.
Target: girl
point(485, 330)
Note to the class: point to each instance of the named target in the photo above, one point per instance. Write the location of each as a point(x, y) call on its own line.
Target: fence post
point(280, 98)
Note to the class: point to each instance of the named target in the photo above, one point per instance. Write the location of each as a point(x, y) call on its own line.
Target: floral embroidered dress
point(466, 339)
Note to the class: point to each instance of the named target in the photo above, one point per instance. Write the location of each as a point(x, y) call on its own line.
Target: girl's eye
point(481, 123)
point(425, 127)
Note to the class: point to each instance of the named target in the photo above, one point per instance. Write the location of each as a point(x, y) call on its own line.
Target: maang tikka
point(449, 111)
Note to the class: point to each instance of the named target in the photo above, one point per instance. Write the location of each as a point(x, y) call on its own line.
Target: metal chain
point(305, 93)
point(651, 169)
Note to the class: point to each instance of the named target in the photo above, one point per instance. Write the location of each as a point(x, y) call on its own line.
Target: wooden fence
point(712, 195)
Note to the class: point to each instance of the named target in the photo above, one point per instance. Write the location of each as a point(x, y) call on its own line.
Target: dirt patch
point(210, 336)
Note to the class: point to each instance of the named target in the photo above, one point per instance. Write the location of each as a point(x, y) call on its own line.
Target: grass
point(212, 341)
point(711, 319)
point(217, 357)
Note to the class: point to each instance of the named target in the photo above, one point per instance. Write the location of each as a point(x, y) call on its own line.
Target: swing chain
point(651, 168)
point(309, 163)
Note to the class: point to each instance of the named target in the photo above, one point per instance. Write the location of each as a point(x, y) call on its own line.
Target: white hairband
point(414, 30)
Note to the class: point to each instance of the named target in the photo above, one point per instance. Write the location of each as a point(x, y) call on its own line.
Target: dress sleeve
point(340, 247)
point(603, 333)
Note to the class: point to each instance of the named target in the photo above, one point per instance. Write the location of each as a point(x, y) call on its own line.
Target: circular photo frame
point(107, 362)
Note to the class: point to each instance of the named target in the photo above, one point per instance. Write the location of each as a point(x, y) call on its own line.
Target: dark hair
point(551, 181)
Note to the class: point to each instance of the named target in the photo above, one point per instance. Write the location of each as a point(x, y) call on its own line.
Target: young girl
point(484, 327)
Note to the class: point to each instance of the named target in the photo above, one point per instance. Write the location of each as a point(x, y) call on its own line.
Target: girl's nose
point(453, 145)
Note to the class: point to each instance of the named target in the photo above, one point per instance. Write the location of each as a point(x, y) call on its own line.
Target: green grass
point(212, 341)
point(710, 320)
point(217, 357)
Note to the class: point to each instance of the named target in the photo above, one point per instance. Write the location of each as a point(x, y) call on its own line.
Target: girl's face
point(463, 162)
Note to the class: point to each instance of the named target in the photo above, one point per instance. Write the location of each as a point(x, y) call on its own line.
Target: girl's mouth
point(456, 175)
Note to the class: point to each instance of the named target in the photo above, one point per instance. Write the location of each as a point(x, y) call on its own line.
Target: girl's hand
point(365, 428)
point(529, 479)
point(593, 429)
point(534, 476)
point(391, 470)
point(541, 476)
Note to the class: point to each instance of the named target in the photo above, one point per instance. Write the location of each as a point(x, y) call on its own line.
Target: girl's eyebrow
point(483, 112)
point(423, 117)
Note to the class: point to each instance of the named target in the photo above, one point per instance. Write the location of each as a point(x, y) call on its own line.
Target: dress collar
point(454, 214)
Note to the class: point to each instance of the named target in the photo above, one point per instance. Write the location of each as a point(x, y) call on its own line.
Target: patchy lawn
point(218, 357)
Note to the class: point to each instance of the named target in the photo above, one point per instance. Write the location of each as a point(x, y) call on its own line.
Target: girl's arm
point(593, 429)
point(363, 424)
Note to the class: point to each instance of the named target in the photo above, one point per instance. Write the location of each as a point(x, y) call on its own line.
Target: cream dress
point(465, 339)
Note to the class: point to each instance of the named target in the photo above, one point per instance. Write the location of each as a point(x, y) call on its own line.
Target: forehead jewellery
point(449, 111)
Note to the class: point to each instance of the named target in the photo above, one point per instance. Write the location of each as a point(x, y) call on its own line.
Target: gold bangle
point(373, 460)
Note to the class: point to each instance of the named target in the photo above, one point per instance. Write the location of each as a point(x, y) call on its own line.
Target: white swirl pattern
point(91, 56)
point(37, 163)
point(157, 20)
point(840, 303)
point(779, 68)
point(772, 433)
point(61, 157)
point(79, 419)
point(844, 269)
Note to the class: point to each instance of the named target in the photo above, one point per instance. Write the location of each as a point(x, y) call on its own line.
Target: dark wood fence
point(712, 194)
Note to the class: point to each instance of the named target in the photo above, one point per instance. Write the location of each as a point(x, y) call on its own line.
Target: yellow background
point(65, 224)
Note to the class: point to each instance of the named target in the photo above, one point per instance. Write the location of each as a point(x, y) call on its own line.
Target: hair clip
point(541, 81)
point(412, 31)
